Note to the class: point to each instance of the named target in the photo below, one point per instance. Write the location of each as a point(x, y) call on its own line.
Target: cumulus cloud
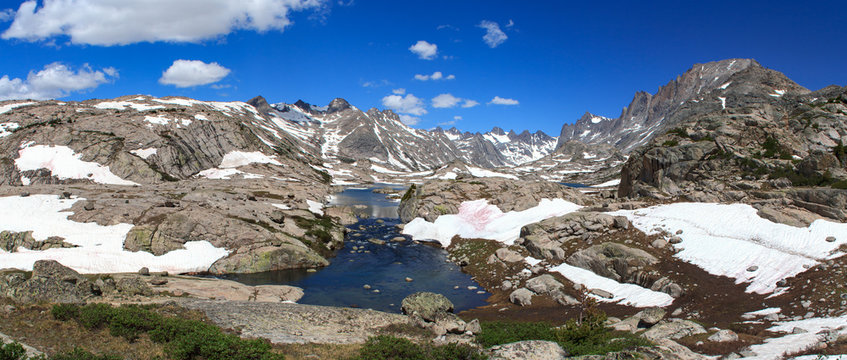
point(187, 73)
point(493, 35)
point(445, 101)
point(409, 104)
point(424, 50)
point(56, 80)
point(503, 101)
point(109, 22)
point(438, 75)
point(399, 91)
point(409, 119)
point(469, 103)
point(6, 15)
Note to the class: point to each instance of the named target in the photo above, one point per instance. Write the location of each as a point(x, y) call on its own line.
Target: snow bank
point(100, 248)
point(144, 153)
point(778, 348)
point(122, 105)
point(625, 294)
point(315, 207)
point(609, 183)
point(478, 219)
point(477, 172)
point(235, 159)
point(8, 107)
point(65, 164)
point(726, 240)
point(6, 128)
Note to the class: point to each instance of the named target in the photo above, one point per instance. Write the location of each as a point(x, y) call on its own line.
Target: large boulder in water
point(426, 305)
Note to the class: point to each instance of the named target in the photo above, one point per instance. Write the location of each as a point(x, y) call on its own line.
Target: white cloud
point(510, 24)
point(186, 73)
point(469, 103)
point(409, 120)
point(54, 81)
point(424, 50)
point(445, 101)
point(375, 84)
point(493, 35)
point(503, 101)
point(6, 15)
point(457, 118)
point(438, 75)
point(109, 22)
point(399, 91)
point(409, 104)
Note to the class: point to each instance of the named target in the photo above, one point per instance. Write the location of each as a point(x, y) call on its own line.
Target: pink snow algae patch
point(479, 220)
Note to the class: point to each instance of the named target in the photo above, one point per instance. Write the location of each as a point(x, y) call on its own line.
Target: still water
point(382, 267)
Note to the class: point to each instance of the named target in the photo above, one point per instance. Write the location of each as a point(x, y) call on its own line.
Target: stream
point(383, 268)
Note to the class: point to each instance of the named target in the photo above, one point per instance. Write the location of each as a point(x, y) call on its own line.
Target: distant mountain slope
point(341, 132)
point(646, 115)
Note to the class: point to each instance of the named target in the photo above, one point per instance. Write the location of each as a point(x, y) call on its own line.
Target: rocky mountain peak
point(498, 131)
point(338, 104)
point(260, 104)
point(646, 113)
point(303, 105)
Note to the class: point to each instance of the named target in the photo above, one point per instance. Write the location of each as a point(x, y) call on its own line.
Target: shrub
point(586, 337)
point(80, 354)
point(388, 347)
point(385, 347)
point(12, 351)
point(65, 312)
point(670, 143)
point(183, 339)
point(94, 315)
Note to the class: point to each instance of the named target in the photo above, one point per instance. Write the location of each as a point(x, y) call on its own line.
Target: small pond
point(382, 267)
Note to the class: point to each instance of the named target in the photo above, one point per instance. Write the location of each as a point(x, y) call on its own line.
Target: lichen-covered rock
point(51, 282)
point(522, 297)
point(528, 350)
point(612, 260)
point(427, 305)
point(673, 329)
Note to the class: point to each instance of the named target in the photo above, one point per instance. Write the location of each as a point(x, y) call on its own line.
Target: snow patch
point(315, 207)
point(726, 240)
point(145, 153)
point(478, 219)
point(477, 172)
point(100, 248)
point(7, 128)
point(778, 348)
point(625, 294)
point(64, 164)
point(723, 102)
point(609, 183)
point(8, 107)
point(724, 86)
point(235, 159)
point(122, 105)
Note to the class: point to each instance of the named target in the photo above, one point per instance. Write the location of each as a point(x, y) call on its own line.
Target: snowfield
point(732, 240)
point(99, 248)
point(778, 348)
point(478, 219)
point(63, 163)
point(624, 294)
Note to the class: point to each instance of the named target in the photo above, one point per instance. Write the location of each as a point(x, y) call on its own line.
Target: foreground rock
point(528, 350)
point(426, 305)
point(50, 282)
point(284, 323)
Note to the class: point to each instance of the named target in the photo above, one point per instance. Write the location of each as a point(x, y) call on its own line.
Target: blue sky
point(553, 61)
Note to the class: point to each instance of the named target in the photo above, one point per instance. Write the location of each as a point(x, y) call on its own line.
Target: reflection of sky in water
point(383, 267)
point(365, 202)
